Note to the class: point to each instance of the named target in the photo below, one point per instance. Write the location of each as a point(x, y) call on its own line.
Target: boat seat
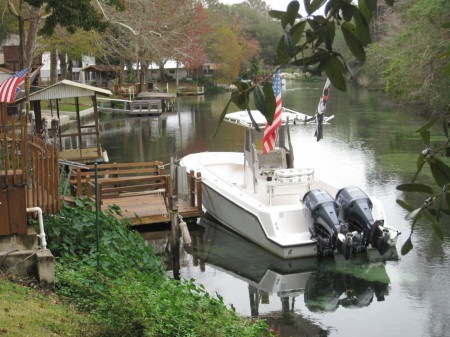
point(303, 176)
point(288, 182)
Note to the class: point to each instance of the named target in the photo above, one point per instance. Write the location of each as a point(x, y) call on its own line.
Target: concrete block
point(27, 241)
point(37, 264)
point(18, 262)
point(45, 268)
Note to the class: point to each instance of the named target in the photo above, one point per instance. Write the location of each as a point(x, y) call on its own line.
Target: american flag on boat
point(270, 134)
point(9, 86)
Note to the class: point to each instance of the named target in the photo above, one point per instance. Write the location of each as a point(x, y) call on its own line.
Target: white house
point(77, 76)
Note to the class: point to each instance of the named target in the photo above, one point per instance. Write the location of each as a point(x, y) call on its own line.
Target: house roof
point(101, 68)
point(6, 71)
point(66, 89)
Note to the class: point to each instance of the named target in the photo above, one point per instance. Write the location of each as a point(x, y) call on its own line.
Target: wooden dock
point(141, 190)
point(191, 91)
point(131, 108)
point(144, 208)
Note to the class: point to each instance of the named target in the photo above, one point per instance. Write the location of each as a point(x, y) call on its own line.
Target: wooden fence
point(30, 162)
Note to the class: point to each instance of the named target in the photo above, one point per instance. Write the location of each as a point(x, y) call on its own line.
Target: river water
point(370, 143)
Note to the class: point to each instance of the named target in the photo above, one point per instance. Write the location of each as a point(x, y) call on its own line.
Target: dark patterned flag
point(8, 87)
point(321, 110)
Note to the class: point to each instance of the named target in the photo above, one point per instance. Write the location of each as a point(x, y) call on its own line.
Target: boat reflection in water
point(326, 283)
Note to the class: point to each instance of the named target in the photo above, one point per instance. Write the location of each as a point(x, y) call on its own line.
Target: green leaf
point(270, 101)
point(277, 14)
point(307, 4)
point(347, 11)
point(240, 98)
point(222, 116)
point(362, 28)
point(404, 205)
point(372, 4)
point(425, 135)
point(328, 35)
point(353, 43)
point(413, 214)
point(265, 100)
point(415, 188)
point(420, 163)
point(389, 2)
point(429, 124)
point(440, 172)
point(292, 12)
point(446, 25)
point(318, 57)
point(407, 246)
point(260, 100)
point(316, 4)
point(445, 125)
point(282, 55)
point(365, 9)
point(289, 44)
point(314, 24)
point(335, 72)
point(297, 31)
point(313, 70)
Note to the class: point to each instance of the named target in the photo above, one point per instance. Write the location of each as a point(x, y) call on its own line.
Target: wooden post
point(199, 191)
point(3, 114)
point(77, 106)
point(97, 129)
point(174, 230)
point(192, 187)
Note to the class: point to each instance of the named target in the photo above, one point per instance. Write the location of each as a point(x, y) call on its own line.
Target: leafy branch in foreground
point(437, 203)
point(307, 43)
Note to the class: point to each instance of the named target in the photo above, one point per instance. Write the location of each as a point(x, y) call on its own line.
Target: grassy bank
point(25, 311)
point(129, 293)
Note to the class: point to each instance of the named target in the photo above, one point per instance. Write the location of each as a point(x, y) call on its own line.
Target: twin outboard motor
point(345, 223)
point(356, 212)
point(326, 225)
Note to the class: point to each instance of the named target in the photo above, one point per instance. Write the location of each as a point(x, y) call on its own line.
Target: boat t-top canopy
point(293, 117)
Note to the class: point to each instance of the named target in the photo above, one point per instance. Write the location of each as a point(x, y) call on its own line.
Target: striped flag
point(8, 87)
point(270, 134)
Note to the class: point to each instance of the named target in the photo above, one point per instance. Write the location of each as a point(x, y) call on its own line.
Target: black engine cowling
point(326, 224)
point(356, 211)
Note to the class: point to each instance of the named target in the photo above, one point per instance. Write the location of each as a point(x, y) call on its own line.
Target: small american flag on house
point(9, 86)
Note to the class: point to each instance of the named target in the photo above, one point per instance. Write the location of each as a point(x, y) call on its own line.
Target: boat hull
point(248, 223)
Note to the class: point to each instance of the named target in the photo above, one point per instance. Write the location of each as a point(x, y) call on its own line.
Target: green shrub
point(130, 294)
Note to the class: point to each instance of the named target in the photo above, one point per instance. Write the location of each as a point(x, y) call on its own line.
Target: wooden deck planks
point(148, 208)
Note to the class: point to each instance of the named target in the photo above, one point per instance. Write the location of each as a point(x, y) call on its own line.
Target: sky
point(274, 4)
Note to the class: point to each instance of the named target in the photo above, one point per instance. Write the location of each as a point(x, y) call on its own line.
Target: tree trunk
point(69, 69)
point(162, 73)
point(22, 33)
point(122, 70)
point(53, 66)
point(33, 28)
point(143, 75)
point(63, 65)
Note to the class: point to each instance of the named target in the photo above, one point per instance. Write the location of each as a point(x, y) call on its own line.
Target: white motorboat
point(325, 282)
point(285, 209)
